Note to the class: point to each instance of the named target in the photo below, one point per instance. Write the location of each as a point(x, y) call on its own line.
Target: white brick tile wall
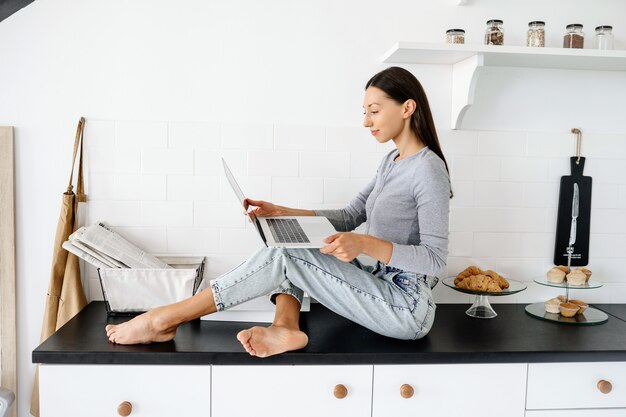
point(166, 213)
point(138, 135)
point(140, 187)
point(239, 241)
point(100, 187)
point(167, 161)
point(502, 143)
point(364, 165)
point(194, 135)
point(460, 243)
point(464, 195)
point(458, 142)
point(126, 161)
point(499, 194)
point(217, 215)
point(299, 138)
point(247, 136)
point(150, 239)
point(604, 196)
point(193, 187)
point(161, 185)
point(302, 190)
point(349, 138)
point(99, 134)
point(497, 244)
point(556, 145)
point(526, 169)
point(475, 168)
point(341, 191)
point(541, 194)
point(273, 163)
point(325, 164)
point(192, 241)
point(115, 212)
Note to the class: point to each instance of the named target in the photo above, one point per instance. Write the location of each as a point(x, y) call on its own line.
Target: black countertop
point(513, 336)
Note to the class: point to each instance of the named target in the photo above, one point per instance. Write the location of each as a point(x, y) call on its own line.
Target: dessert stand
point(589, 316)
point(481, 308)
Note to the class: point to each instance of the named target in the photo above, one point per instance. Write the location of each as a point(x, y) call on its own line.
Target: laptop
point(285, 231)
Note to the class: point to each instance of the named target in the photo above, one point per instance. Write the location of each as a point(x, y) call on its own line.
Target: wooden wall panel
point(8, 333)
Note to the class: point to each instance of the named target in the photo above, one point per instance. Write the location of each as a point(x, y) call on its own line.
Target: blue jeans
point(384, 299)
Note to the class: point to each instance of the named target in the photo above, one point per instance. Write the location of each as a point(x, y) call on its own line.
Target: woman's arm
point(267, 209)
point(346, 246)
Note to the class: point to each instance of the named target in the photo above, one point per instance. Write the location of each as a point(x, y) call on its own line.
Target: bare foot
point(268, 341)
point(145, 328)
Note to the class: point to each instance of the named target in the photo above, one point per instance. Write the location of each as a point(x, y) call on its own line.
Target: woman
point(406, 206)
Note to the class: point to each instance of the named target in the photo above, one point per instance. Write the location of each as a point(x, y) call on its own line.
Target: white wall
point(302, 64)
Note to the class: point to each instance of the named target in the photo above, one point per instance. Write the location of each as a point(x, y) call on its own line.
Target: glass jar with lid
point(574, 36)
point(536, 35)
point(604, 37)
point(455, 36)
point(494, 34)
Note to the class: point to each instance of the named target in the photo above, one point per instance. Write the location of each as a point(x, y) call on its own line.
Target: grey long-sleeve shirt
point(408, 204)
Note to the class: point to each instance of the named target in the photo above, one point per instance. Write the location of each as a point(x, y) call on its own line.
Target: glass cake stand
point(481, 308)
point(589, 316)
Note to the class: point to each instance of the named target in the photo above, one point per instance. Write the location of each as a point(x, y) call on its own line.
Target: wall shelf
point(468, 61)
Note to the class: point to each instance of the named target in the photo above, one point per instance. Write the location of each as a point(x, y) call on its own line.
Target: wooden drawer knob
point(124, 409)
point(604, 386)
point(406, 391)
point(340, 391)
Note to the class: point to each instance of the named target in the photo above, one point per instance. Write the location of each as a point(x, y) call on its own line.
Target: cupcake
point(586, 272)
point(582, 306)
point(561, 298)
point(576, 277)
point(563, 268)
point(556, 275)
point(552, 305)
point(568, 309)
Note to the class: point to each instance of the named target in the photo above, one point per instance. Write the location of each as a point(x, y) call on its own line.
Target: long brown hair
point(400, 85)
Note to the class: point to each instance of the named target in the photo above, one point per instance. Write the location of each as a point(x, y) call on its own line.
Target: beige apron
point(65, 293)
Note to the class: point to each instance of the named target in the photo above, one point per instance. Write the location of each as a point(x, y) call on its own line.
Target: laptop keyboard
point(287, 231)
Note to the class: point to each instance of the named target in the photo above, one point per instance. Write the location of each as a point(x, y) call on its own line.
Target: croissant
point(467, 272)
point(502, 283)
point(480, 283)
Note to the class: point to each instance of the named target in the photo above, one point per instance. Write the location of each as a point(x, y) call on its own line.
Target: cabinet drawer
point(575, 385)
point(450, 390)
point(614, 412)
point(97, 390)
point(244, 391)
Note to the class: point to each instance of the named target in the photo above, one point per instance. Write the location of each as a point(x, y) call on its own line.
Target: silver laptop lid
point(239, 193)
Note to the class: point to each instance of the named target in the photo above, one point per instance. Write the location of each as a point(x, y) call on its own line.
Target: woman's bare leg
point(160, 324)
point(283, 335)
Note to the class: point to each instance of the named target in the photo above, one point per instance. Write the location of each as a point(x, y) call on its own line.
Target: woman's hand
point(344, 246)
point(263, 208)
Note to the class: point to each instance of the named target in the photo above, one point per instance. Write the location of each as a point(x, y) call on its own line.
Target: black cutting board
point(580, 257)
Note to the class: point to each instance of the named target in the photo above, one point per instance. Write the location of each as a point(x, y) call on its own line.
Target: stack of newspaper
point(104, 248)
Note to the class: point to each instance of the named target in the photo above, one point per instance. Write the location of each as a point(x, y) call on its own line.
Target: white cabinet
point(260, 391)
point(98, 390)
point(468, 390)
point(450, 390)
point(576, 385)
point(615, 412)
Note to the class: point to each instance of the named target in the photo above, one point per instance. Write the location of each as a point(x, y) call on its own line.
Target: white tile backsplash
point(299, 138)
point(138, 135)
point(502, 143)
point(194, 135)
point(325, 164)
point(161, 185)
point(167, 161)
point(247, 136)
